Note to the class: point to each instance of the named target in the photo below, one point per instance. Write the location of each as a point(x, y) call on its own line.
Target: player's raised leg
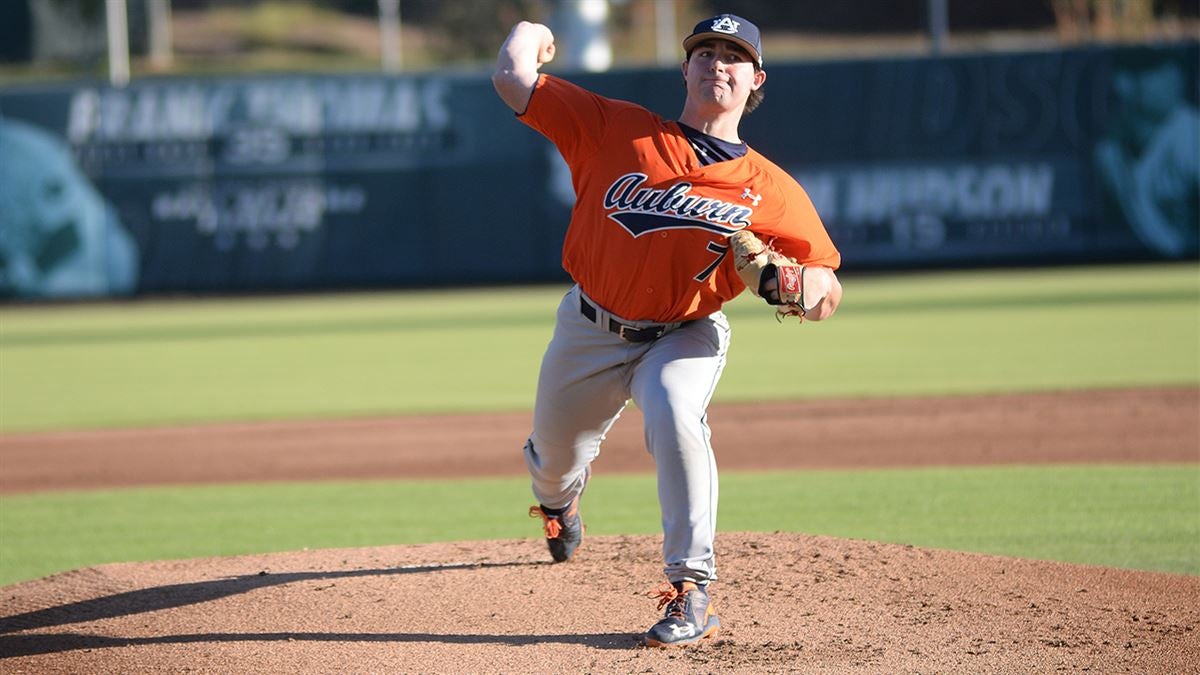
point(582, 390)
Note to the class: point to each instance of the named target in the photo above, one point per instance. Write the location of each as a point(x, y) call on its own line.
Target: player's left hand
point(816, 299)
point(794, 289)
point(797, 287)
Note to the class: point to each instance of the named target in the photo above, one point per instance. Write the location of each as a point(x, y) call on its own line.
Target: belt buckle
point(631, 334)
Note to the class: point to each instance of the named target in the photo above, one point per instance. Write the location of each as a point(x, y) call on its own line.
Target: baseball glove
point(796, 289)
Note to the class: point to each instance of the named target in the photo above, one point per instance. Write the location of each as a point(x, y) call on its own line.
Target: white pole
point(118, 42)
point(160, 34)
point(939, 25)
point(389, 34)
point(585, 43)
point(665, 40)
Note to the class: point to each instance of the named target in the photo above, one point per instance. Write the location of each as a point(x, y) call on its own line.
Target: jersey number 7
point(722, 252)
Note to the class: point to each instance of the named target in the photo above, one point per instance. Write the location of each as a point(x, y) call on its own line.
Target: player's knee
point(553, 459)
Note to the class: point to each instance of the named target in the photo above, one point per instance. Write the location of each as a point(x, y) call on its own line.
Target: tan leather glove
point(796, 288)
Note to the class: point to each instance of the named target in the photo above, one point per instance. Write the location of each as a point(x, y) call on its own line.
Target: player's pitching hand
point(546, 52)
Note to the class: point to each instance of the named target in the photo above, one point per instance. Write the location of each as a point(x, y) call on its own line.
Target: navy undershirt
point(710, 149)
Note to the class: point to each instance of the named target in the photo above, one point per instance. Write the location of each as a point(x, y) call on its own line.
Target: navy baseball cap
point(728, 27)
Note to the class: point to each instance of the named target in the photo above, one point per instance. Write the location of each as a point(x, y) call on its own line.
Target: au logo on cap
point(727, 27)
point(725, 24)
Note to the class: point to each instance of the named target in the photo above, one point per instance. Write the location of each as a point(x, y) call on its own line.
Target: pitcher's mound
point(787, 602)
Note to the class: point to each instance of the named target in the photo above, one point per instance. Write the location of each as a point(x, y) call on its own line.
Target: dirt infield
point(1143, 425)
point(788, 602)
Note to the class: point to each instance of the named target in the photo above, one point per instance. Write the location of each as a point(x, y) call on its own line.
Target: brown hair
point(755, 98)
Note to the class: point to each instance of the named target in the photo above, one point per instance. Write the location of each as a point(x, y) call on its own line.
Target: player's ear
point(760, 77)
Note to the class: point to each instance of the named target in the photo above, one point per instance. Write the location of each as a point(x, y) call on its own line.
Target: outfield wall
point(366, 181)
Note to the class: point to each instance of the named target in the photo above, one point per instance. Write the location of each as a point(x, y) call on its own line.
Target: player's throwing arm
point(528, 46)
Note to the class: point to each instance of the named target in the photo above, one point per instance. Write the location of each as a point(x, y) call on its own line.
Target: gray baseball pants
point(589, 374)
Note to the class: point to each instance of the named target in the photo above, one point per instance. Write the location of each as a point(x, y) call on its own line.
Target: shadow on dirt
point(12, 646)
point(179, 595)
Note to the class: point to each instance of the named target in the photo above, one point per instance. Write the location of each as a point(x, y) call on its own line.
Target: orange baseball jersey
point(648, 237)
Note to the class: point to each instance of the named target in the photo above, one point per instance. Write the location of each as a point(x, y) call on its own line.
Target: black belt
point(626, 332)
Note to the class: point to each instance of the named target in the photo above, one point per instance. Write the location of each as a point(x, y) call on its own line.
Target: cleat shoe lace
point(551, 525)
point(675, 602)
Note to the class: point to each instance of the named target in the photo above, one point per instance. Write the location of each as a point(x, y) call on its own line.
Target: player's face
point(721, 73)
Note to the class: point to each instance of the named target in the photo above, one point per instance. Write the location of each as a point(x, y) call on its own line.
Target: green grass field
point(398, 353)
point(195, 361)
point(1142, 517)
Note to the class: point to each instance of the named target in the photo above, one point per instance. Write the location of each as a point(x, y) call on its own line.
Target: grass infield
point(1137, 516)
point(168, 362)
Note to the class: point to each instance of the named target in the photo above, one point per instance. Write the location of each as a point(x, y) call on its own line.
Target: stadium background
point(268, 157)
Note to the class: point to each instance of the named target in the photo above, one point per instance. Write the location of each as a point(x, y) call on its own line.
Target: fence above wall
point(322, 182)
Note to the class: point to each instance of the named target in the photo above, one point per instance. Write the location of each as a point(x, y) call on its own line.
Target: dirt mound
point(787, 602)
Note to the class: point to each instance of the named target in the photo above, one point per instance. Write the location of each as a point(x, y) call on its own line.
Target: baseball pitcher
point(672, 219)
